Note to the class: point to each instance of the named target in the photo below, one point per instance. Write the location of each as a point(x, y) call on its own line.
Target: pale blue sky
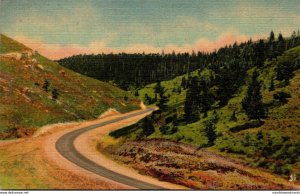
point(119, 24)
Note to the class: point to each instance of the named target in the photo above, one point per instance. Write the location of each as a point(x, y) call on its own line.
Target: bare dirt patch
point(186, 165)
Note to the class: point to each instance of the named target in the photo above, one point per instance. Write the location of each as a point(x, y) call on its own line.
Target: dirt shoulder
point(33, 163)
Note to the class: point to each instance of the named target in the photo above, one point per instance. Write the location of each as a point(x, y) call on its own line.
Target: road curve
point(65, 146)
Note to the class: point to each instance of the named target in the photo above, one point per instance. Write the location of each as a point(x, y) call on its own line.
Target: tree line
point(139, 69)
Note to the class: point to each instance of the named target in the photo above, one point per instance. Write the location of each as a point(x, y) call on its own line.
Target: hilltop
point(35, 91)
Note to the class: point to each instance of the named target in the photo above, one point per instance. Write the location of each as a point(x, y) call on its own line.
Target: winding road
point(65, 146)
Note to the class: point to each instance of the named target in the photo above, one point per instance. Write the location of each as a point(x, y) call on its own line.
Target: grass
point(175, 99)
point(24, 104)
point(275, 150)
point(10, 45)
point(18, 172)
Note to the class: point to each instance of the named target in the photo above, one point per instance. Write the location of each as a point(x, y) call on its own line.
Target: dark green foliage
point(284, 71)
point(259, 135)
point(125, 98)
point(183, 83)
point(55, 94)
point(210, 129)
point(252, 103)
point(272, 36)
point(46, 85)
point(164, 129)
point(123, 131)
point(163, 100)
point(147, 99)
point(233, 117)
point(280, 37)
point(174, 130)
point(230, 63)
point(271, 86)
point(136, 93)
point(281, 97)
point(169, 119)
point(248, 125)
point(198, 100)
point(158, 88)
point(147, 126)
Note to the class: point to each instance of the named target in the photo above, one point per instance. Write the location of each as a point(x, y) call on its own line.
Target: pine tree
point(55, 94)
point(158, 87)
point(198, 99)
point(210, 129)
point(271, 85)
point(272, 36)
point(280, 37)
point(46, 85)
point(233, 116)
point(191, 110)
point(136, 93)
point(147, 126)
point(147, 99)
point(183, 82)
point(163, 100)
point(252, 103)
point(284, 71)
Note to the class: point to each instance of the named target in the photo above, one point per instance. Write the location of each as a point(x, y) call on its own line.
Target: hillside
point(271, 143)
point(35, 91)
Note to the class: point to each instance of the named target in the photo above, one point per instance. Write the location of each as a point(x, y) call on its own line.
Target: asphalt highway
point(65, 146)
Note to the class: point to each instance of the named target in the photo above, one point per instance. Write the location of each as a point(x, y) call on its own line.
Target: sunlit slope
point(35, 91)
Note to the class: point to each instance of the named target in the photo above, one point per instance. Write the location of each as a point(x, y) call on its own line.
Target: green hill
point(272, 144)
point(35, 91)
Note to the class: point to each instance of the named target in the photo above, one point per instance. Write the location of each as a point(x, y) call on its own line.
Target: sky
point(61, 28)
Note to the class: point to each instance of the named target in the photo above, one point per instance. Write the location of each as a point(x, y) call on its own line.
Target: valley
point(226, 120)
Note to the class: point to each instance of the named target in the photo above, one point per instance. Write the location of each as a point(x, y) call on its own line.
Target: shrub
point(281, 96)
point(252, 124)
point(55, 94)
point(123, 131)
point(164, 129)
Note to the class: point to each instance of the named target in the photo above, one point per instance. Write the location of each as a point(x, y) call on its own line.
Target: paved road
point(65, 146)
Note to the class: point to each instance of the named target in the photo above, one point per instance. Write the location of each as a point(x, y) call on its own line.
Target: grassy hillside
point(35, 91)
point(272, 144)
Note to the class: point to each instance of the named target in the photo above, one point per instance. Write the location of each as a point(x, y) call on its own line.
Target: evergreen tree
point(191, 109)
point(136, 93)
point(271, 85)
point(210, 129)
point(233, 116)
point(55, 94)
point(183, 82)
point(280, 38)
point(147, 126)
point(163, 100)
point(198, 99)
point(272, 36)
point(46, 85)
point(284, 71)
point(252, 103)
point(147, 99)
point(158, 87)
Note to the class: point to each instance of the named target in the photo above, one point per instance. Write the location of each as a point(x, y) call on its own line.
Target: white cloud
point(57, 51)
